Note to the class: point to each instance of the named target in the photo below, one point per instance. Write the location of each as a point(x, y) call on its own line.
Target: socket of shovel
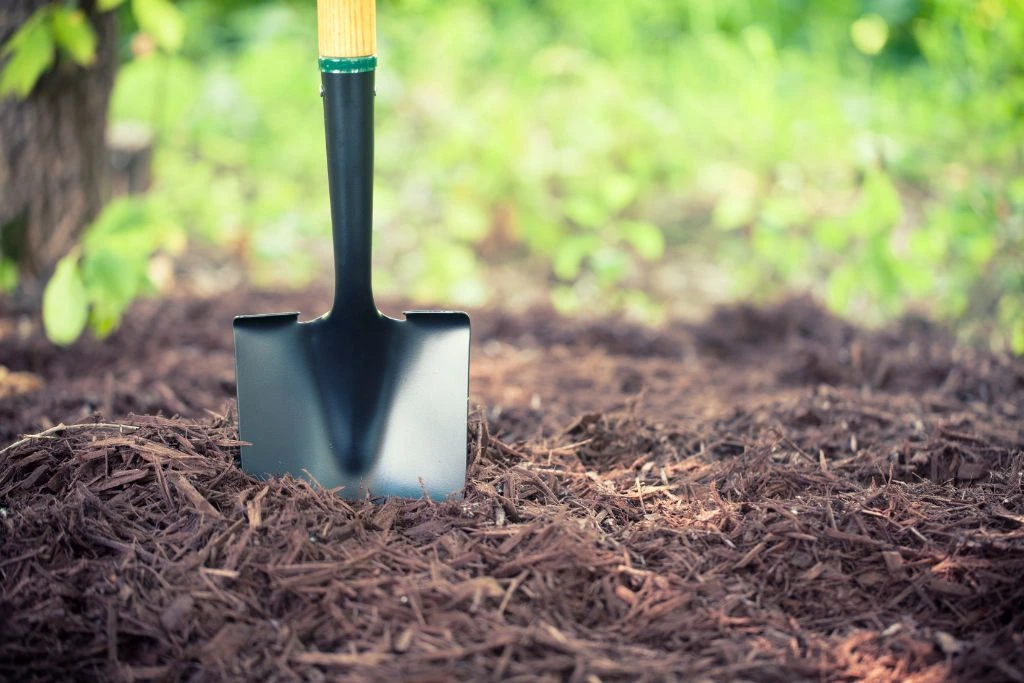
point(354, 399)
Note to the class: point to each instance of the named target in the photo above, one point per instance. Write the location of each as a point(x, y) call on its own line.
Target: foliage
point(95, 283)
point(63, 28)
point(867, 150)
point(30, 52)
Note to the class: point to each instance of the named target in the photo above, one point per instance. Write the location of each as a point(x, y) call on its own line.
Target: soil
point(772, 494)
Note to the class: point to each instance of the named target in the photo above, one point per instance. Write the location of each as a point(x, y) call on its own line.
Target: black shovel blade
point(368, 403)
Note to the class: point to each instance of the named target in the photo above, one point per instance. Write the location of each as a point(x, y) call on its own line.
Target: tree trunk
point(52, 152)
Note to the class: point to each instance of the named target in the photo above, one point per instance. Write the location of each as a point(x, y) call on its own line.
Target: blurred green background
point(650, 157)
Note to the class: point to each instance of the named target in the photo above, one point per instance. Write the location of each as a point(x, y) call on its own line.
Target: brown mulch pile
point(770, 495)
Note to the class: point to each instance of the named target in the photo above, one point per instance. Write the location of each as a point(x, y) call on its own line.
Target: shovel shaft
point(348, 119)
point(347, 28)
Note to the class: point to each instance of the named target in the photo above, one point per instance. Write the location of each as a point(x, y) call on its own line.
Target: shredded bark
point(771, 495)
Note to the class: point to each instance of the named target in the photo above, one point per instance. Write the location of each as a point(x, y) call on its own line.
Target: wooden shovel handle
point(347, 28)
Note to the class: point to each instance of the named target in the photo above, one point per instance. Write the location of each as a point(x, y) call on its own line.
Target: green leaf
point(112, 279)
point(467, 220)
point(105, 5)
point(161, 20)
point(642, 305)
point(870, 34)
point(1011, 317)
point(645, 237)
point(915, 279)
point(104, 317)
point(880, 271)
point(733, 211)
point(541, 234)
point(31, 54)
point(127, 228)
point(831, 234)
point(842, 284)
point(448, 261)
point(568, 257)
point(759, 43)
point(609, 265)
point(8, 275)
point(929, 244)
point(618, 191)
point(75, 34)
point(586, 212)
point(565, 300)
point(784, 211)
point(173, 239)
point(879, 207)
point(979, 248)
point(65, 302)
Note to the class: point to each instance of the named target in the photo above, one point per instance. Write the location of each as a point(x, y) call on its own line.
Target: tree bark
point(53, 170)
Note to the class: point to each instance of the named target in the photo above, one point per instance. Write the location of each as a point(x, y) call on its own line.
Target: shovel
point(354, 399)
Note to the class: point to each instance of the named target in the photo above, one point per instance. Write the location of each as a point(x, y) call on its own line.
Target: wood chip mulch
point(772, 495)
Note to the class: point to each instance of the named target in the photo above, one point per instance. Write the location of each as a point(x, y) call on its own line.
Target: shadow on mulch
point(772, 495)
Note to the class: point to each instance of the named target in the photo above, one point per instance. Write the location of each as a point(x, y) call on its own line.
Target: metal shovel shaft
point(348, 122)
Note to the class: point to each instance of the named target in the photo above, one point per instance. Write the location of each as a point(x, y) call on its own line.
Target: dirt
point(770, 495)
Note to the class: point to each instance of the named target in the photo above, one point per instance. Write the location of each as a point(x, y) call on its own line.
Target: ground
point(769, 495)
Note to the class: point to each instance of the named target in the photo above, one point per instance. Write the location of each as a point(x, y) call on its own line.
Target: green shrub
point(868, 151)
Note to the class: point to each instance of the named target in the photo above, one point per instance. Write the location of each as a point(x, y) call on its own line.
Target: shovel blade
point(370, 404)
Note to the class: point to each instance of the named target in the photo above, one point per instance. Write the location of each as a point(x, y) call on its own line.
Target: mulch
point(772, 494)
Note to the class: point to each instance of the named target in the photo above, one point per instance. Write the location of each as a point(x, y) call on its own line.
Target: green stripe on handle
point(347, 65)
